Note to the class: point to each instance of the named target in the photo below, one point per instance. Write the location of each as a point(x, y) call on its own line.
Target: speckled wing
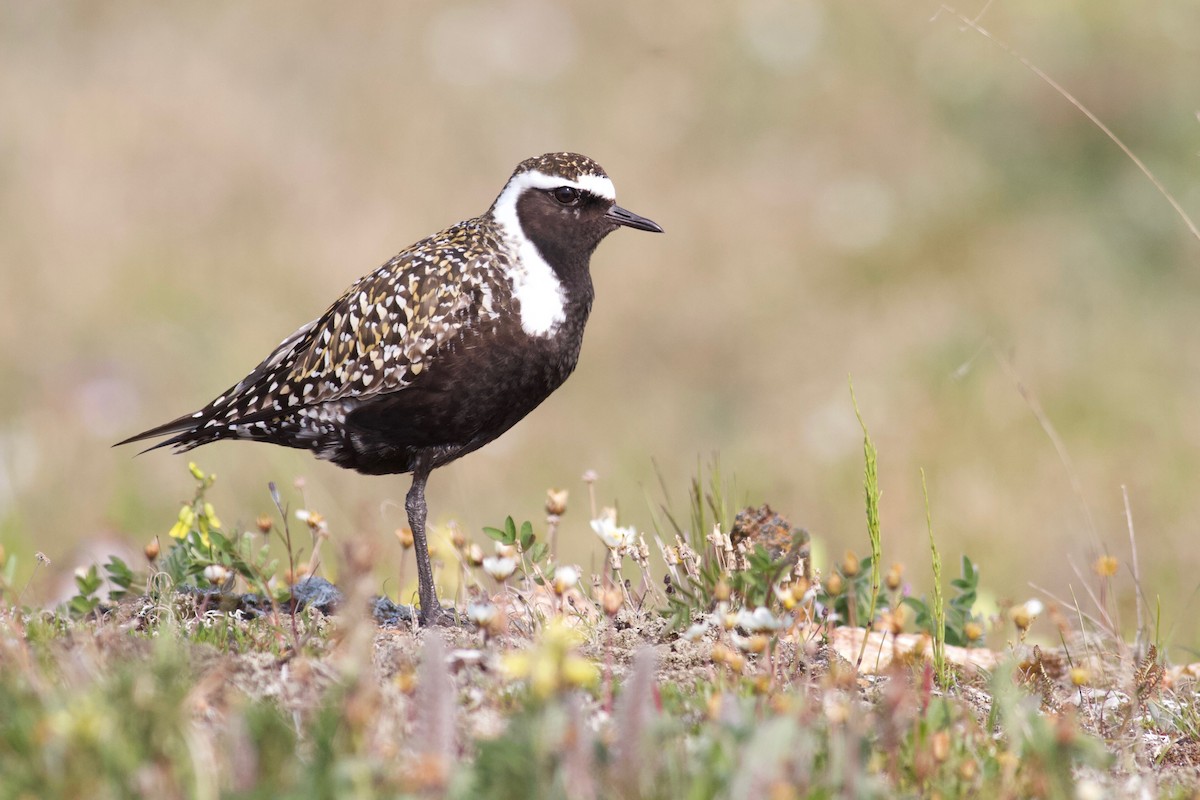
point(388, 327)
point(377, 338)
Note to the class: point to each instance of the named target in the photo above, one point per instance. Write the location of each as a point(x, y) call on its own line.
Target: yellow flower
point(1106, 566)
point(553, 665)
point(210, 514)
point(184, 523)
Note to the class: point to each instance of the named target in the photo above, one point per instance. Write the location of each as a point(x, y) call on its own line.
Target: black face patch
point(565, 233)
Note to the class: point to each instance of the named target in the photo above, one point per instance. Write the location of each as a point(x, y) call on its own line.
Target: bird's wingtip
point(176, 426)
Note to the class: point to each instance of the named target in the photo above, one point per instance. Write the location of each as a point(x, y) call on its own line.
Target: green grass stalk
point(939, 603)
point(871, 486)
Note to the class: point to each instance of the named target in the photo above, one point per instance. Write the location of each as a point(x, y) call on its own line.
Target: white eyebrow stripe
point(598, 185)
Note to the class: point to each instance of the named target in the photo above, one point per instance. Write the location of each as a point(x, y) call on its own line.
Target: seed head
point(894, 577)
point(1020, 617)
point(612, 600)
point(941, 746)
point(556, 501)
point(291, 578)
point(405, 535)
point(1024, 614)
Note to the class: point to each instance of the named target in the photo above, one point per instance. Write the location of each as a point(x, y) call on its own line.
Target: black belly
point(470, 394)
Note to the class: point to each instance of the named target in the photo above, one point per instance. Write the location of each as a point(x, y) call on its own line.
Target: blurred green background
point(847, 188)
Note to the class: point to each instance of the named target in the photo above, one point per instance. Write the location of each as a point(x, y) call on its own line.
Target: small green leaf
point(88, 582)
point(82, 606)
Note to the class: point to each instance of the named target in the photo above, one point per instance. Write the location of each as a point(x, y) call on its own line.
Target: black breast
point(474, 390)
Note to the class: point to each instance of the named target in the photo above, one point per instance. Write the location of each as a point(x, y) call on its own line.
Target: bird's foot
point(436, 616)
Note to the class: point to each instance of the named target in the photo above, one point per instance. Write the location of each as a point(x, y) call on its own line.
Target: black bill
point(632, 220)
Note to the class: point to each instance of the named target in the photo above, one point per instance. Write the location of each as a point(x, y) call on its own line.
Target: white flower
point(836, 707)
point(1088, 789)
point(697, 630)
point(312, 519)
point(565, 577)
point(614, 537)
point(760, 620)
point(499, 567)
point(216, 573)
point(481, 613)
point(1034, 607)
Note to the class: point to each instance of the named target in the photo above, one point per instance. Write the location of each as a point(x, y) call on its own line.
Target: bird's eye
point(567, 195)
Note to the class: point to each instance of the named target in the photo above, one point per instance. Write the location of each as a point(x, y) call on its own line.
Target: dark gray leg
point(431, 611)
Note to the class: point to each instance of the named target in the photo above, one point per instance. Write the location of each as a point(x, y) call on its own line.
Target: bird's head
point(565, 204)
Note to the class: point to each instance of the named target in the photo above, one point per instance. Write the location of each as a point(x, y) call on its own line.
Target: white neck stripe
point(535, 286)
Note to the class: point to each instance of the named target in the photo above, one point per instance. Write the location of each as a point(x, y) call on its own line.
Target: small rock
point(762, 525)
point(389, 615)
point(317, 593)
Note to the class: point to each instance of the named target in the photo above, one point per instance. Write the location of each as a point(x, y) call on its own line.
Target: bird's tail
point(188, 429)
